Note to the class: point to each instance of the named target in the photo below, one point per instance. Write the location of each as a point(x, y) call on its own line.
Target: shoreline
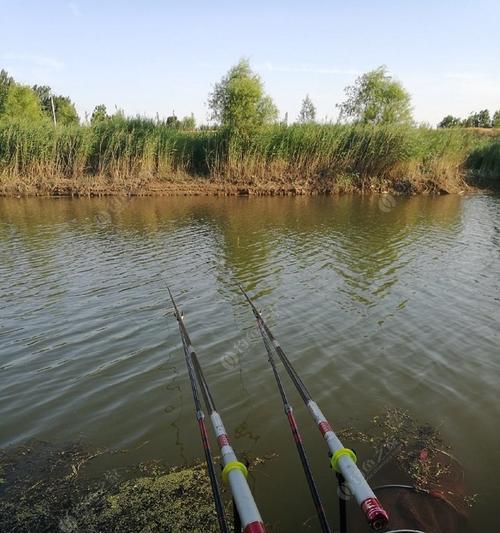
point(45, 485)
point(89, 186)
point(138, 158)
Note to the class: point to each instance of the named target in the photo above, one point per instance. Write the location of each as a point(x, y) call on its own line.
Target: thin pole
point(297, 438)
point(200, 417)
point(53, 109)
point(234, 472)
point(343, 460)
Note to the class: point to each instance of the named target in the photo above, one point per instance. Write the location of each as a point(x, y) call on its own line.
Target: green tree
point(173, 121)
point(44, 92)
point(5, 82)
point(21, 101)
point(484, 119)
point(64, 108)
point(449, 121)
point(481, 119)
point(376, 98)
point(307, 113)
point(496, 119)
point(99, 114)
point(188, 123)
point(239, 103)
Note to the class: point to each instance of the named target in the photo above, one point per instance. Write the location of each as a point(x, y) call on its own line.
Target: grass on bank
point(134, 153)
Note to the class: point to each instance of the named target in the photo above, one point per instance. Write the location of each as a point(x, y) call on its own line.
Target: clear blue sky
point(158, 56)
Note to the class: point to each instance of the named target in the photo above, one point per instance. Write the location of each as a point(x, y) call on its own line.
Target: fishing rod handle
point(343, 460)
point(234, 473)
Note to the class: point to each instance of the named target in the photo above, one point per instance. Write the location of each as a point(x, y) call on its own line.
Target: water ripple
point(374, 308)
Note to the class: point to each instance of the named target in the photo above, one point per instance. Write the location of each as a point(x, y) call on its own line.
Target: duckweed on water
point(45, 488)
point(49, 488)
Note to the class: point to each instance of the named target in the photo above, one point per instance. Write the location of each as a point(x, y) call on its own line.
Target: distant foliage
point(449, 121)
point(238, 101)
point(99, 114)
point(21, 102)
point(307, 113)
point(172, 122)
point(44, 93)
point(5, 82)
point(133, 152)
point(247, 145)
point(376, 98)
point(64, 108)
point(480, 119)
point(496, 119)
point(188, 123)
point(34, 103)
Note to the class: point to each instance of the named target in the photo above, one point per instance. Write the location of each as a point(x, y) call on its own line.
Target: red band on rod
point(223, 440)
point(255, 527)
point(294, 427)
point(203, 431)
point(324, 427)
point(375, 513)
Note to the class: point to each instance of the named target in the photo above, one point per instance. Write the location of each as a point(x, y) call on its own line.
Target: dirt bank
point(192, 186)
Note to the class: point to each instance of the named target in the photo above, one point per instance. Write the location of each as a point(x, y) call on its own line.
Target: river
point(378, 301)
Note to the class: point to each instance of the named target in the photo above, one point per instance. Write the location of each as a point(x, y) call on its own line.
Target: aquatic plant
point(48, 488)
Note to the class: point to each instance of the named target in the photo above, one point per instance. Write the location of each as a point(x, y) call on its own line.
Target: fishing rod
point(343, 460)
point(234, 472)
point(200, 417)
point(297, 438)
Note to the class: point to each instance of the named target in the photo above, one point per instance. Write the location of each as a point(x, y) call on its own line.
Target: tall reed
point(138, 151)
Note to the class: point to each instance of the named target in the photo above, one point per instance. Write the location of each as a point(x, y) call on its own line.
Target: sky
point(148, 57)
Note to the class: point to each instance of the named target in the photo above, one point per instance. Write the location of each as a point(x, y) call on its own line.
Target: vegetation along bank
point(375, 145)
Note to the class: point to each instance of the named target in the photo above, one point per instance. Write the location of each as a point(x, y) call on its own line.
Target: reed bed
point(484, 161)
point(133, 154)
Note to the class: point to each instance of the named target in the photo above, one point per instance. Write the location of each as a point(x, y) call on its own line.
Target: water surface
point(377, 303)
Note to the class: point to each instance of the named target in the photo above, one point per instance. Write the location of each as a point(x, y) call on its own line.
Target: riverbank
point(70, 488)
point(139, 157)
point(99, 186)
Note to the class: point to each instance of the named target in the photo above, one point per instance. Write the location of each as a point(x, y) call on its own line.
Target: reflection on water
point(377, 307)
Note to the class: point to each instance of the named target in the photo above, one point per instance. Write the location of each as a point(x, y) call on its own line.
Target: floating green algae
point(180, 500)
point(46, 488)
point(52, 488)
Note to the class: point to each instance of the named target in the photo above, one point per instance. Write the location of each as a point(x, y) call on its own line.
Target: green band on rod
point(233, 465)
point(341, 453)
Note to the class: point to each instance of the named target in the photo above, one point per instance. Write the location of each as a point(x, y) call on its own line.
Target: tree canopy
point(307, 113)
point(5, 82)
point(188, 123)
point(99, 114)
point(22, 102)
point(172, 121)
point(376, 98)
point(480, 119)
point(64, 108)
point(238, 101)
point(449, 121)
point(496, 119)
